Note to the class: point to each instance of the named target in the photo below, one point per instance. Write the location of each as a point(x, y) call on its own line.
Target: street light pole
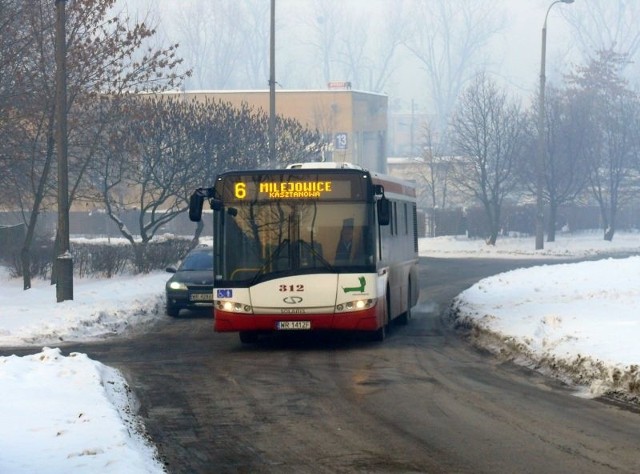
point(64, 261)
point(540, 165)
point(272, 87)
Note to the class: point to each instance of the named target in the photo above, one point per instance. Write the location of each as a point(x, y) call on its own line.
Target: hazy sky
point(521, 43)
point(515, 51)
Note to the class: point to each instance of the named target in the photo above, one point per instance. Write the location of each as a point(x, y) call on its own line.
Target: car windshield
point(198, 261)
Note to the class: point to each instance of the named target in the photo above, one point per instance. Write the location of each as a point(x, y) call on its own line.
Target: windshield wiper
point(315, 253)
point(274, 255)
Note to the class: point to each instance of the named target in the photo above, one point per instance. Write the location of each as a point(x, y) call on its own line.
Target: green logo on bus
point(359, 289)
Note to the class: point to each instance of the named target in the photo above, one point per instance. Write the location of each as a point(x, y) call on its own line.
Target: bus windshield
point(260, 240)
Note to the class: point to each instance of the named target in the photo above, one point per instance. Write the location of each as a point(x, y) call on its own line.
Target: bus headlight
point(233, 307)
point(355, 305)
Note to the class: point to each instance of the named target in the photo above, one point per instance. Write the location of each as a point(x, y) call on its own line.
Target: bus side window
point(394, 222)
point(384, 211)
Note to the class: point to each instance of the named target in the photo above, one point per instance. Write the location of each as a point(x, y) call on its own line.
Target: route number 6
point(240, 190)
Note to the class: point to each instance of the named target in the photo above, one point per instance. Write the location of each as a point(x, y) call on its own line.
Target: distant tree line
point(129, 146)
point(586, 160)
point(591, 153)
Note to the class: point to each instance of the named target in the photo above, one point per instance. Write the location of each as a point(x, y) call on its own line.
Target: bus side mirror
point(195, 207)
point(216, 204)
point(384, 211)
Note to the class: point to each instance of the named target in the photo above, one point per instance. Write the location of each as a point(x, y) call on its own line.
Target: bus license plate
point(296, 325)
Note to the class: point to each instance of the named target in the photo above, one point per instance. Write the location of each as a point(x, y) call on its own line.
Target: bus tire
point(380, 334)
point(405, 317)
point(248, 337)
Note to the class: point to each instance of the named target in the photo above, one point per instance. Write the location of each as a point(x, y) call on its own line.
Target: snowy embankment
point(578, 322)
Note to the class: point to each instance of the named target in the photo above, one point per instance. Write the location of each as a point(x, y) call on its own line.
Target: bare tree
point(213, 34)
point(149, 166)
point(368, 49)
point(35, 151)
point(14, 41)
point(606, 25)
point(103, 57)
point(614, 110)
point(487, 130)
point(568, 132)
point(434, 173)
point(324, 26)
point(151, 161)
point(255, 45)
point(449, 39)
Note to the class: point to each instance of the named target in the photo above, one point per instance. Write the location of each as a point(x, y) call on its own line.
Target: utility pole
point(540, 158)
point(272, 87)
point(64, 261)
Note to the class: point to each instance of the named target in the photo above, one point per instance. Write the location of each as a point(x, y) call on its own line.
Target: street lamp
point(272, 87)
point(64, 261)
point(541, 136)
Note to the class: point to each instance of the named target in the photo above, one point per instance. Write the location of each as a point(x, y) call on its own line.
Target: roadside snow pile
point(70, 414)
point(584, 244)
point(101, 308)
point(578, 322)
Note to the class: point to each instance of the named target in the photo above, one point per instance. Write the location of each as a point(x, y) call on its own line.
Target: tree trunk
point(609, 225)
point(608, 234)
point(25, 261)
point(25, 254)
point(551, 224)
point(493, 213)
point(54, 264)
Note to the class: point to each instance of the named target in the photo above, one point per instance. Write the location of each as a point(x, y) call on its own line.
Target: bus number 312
point(291, 288)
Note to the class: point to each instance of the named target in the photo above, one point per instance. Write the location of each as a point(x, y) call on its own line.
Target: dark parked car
point(191, 286)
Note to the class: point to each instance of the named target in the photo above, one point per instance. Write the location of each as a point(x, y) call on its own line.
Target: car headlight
point(177, 285)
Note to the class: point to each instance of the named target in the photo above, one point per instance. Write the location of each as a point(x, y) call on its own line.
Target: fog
point(329, 40)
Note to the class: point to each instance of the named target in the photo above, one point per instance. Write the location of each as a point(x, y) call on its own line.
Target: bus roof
point(325, 165)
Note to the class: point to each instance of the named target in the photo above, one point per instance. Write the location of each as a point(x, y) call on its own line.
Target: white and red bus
point(316, 246)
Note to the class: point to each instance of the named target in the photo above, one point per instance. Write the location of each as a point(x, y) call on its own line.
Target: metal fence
point(98, 224)
point(11, 239)
point(521, 220)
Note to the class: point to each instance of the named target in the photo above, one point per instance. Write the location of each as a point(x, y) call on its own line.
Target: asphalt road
point(421, 401)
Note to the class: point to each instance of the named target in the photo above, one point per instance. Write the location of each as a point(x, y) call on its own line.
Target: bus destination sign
point(274, 188)
point(288, 190)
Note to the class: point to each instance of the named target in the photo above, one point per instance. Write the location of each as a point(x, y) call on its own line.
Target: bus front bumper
point(364, 320)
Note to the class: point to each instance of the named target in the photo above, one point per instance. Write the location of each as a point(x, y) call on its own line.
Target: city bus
point(314, 246)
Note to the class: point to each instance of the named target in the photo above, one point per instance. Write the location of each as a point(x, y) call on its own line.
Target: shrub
point(100, 258)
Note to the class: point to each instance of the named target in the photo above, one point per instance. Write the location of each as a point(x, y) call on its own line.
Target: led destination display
point(292, 187)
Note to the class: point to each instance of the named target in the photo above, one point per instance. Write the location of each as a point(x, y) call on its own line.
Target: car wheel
point(173, 310)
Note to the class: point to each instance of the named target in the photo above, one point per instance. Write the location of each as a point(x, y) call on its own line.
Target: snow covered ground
point(72, 414)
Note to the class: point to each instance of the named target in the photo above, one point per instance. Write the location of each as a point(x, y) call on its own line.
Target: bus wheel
point(405, 317)
point(381, 333)
point(248, 337)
